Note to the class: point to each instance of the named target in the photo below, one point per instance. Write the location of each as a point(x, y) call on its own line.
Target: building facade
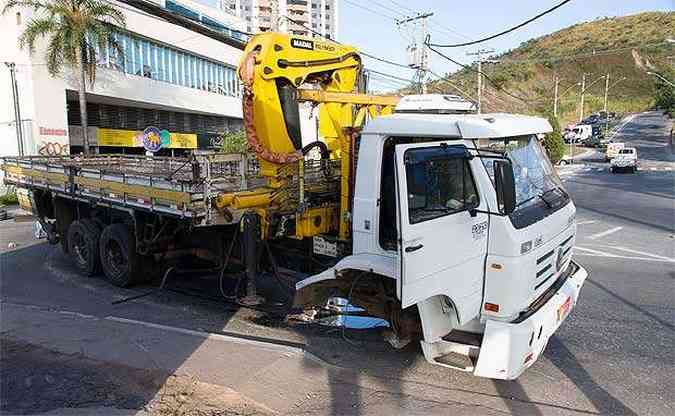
point(321, 16)
point(168, 77)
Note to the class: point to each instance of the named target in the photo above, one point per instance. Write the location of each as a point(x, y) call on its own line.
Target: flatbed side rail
point(182, 187)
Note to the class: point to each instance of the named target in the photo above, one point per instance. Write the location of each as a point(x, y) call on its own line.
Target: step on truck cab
point(468, 217)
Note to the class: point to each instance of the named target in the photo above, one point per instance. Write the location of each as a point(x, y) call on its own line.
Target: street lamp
point(661, 77)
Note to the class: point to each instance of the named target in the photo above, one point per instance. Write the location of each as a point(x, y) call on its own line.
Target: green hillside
point(625, 47)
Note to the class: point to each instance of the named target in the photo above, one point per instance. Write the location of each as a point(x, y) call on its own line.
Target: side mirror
point(505, 186)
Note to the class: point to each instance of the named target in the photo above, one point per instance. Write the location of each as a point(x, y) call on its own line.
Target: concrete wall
point(159, 94)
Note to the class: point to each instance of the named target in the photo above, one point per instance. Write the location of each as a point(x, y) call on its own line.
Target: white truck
point(467, 216)
point(626, 159)
point(452, 226)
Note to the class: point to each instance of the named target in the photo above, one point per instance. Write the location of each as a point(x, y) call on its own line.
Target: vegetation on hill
point(625, 47)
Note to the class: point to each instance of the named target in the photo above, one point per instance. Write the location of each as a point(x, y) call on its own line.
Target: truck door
point(443, 239)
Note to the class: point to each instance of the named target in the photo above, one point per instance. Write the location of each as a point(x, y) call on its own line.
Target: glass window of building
point(150, 59)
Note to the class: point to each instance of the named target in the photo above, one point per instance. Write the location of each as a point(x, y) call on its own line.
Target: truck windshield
point(535, 178)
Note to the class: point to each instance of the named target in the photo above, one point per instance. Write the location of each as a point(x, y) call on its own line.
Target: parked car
point(592, 119)
point(578, 134)
point(596, 139)
point(625, 160)
point(613, 150)
point(565, 160)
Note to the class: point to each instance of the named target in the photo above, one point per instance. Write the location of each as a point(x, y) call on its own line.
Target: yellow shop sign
point(132, 138)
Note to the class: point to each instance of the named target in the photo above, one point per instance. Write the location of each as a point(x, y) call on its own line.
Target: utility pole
point(555, 97)
point(480, 54)
point(583, 89)
point(17, 107)
point(604, 107)
point(418, 55)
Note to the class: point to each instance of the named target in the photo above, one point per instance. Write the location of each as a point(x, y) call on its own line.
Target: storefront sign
point(44, 131)
point(117, 138)
point(152, 140)
point(131, 138)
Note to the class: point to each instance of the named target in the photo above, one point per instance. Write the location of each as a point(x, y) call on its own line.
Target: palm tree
point(74, 30)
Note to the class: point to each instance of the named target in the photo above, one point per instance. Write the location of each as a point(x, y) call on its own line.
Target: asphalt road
point(614, 355)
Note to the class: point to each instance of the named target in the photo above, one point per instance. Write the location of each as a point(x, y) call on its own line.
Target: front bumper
point(508, 348)
point(623, 164)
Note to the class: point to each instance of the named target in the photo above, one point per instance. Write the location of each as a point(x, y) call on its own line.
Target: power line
point(378, 13)
point(377, 58)
point(457, 45)
point(409, 81)
point(432, 22)
point(494, 84)
point(397, 4)
point(446, 80)
point(386, 61)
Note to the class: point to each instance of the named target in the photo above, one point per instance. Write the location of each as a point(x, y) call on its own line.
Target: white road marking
point(586, 222)
point(605, 233)
point(642, 253)
point(595, 253)
point(623, 124)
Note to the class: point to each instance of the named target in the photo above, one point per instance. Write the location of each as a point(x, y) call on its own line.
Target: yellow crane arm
point(279, 71)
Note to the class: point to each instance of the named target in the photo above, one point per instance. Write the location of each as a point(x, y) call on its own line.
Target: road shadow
point(632, 305)
point(516, 398)
point(40, 279)
point(624, 183)
point(626, 218)
point(567, 363)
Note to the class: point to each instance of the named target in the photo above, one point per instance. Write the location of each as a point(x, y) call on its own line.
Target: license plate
point(564, 309)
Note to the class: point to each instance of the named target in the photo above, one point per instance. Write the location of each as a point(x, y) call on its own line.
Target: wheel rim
point(80, 248)
point(116, 258)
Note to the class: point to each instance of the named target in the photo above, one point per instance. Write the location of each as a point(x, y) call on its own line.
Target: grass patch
point(9, 199)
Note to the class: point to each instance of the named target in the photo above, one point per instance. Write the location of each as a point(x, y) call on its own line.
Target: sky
point(369, 25)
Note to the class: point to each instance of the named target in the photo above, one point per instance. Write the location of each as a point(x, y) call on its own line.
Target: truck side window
point(438, 184)
point(388, 224)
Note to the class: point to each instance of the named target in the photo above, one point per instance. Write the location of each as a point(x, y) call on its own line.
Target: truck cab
point(466, 215)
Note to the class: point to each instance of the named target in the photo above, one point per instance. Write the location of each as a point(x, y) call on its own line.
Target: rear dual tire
point(83, 245)
point(119, 260)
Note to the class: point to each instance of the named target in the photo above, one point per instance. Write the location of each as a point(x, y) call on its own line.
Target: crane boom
point(278, 72)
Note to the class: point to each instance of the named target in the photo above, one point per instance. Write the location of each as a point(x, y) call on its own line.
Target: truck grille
point(546, 264)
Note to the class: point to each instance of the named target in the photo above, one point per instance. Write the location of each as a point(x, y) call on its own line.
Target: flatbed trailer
point(163, 210)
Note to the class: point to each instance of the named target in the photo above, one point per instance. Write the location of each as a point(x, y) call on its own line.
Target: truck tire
point(119, 260)
point(82, 242)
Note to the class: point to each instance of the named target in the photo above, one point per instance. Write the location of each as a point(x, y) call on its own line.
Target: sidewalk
point(198, 372)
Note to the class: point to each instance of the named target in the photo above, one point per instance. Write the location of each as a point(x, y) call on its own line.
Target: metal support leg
point(250, 242)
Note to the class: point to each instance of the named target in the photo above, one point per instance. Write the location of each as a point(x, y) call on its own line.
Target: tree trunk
point(83, 103)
